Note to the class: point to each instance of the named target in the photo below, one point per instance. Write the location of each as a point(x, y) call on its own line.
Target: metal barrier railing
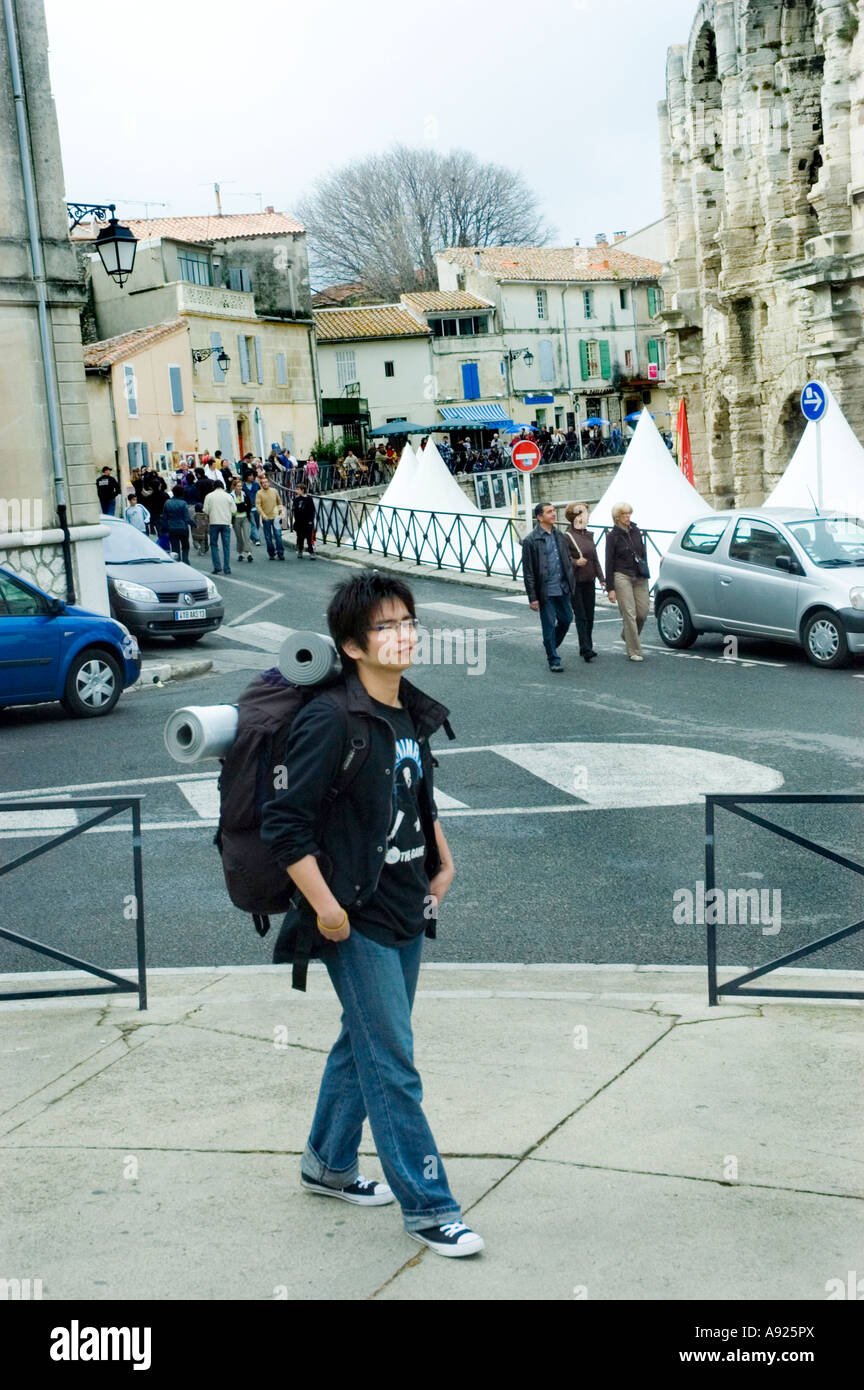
point(119, 985)
point(733, 804)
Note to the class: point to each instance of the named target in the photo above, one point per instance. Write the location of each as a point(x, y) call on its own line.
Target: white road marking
point(37, 820)
point(249, 611)
point(448, 803)
point(460, 611)
point(103, 786)
point(718, 660)
point(243, 583)
point(266, 637)
point(203, 797)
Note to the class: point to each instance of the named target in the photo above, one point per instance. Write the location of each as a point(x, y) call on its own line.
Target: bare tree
point(380, 220)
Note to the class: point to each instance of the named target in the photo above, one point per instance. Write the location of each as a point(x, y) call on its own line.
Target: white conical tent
point(661, 497)
point(842, 467)
point(396, 492)
point(435, 489)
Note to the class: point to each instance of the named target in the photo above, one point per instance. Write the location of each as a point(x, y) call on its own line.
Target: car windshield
point(124, 545)
point(831, 541)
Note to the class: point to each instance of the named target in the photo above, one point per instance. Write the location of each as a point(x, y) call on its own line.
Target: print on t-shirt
point(406, 840)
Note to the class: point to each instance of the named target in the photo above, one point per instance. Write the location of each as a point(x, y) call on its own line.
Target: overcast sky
point(155, 102)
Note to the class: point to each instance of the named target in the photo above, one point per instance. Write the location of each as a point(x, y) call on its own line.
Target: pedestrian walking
point(241, 521)
point(136, 513)
point(549, 581)
point(270, 510)
point(385, 861)
point(219, 509)
point(108, 490)
point(586, 566)
point(304, 521)
point(175, 523)
point(251, 488)
point(627, 575)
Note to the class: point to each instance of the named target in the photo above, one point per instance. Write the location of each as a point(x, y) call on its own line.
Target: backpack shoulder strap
point(355, 750)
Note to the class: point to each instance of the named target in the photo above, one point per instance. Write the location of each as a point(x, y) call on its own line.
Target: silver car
point(778, 572)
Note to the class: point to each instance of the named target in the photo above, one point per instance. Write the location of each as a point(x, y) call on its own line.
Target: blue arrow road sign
point(814, 401)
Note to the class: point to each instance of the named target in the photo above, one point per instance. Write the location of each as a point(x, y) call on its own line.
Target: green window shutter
point(605, 361)
point(654, 352)
point(243, 349)
point(583, 361)
point(259, 361)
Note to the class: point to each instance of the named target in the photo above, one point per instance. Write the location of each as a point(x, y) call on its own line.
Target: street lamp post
point(115, 243)
point(201, 355)
point(513, 355)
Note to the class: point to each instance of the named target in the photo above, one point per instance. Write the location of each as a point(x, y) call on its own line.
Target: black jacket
point(351, 843)
point(533, 572)
point(304, 513)
point(623, 548)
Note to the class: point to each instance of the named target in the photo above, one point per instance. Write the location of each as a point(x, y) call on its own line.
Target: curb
point(387, 565)
point(159, 672)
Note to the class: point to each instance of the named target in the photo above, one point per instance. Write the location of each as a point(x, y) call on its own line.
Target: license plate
point(181, 613)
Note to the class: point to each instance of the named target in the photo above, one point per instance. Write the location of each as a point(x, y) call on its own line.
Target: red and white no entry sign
point(526, 455)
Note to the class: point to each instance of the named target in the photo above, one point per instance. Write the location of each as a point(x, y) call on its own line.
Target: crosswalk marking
point(38, 820)
point(459, 610)
point(267, 637)
point(203, 797)
point(448, 803)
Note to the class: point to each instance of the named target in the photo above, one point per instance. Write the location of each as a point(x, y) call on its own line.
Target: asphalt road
point(565, 853)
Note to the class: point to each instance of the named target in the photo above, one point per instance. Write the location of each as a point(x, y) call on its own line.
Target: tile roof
point(333, 296)
point(371, 321)
point(432, 301)
point(112, 350)
point(554, 262)
point(206, 228)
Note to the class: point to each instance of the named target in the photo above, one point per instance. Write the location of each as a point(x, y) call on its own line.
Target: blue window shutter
point(259, 361)
point(243, 349)
point(605, 362)
point(176, 384)
point(470, 381)
point(583, 361)
point(547, 360)
point(132, 454)
point(245, 279)
point(225, 431)
point(216, 345)
point(145, 455)
point(281, 369)
point(234, 278)
point(131, 391)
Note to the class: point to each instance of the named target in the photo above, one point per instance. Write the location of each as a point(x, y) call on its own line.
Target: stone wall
point(763, 185)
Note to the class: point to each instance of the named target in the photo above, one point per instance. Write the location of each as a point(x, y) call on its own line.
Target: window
point(194, 268)
point(622, 298)
point(655, 300)
point(239, 278)
point(281, 369)
point(243, 350)
point(547, 360)
point(657, 354)
point(595, 359)
point(588, 303)
point(259, 360)
point(628, 358)
point(466, 327)
point(138, 454)
point(757, 543)
point(175, 383)
point(216, 345)
point(704, 536)
point(389, 369)
point(541, 304)
point(18, 602)
point(130, 389)
point(346, 367)
point(470, 381)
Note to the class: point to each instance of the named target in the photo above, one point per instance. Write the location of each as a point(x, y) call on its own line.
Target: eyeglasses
point(408, 624)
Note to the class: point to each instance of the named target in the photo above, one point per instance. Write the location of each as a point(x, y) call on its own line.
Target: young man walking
point(371, 871)
point(269, 509)
point(304, 521)
point(549, 581)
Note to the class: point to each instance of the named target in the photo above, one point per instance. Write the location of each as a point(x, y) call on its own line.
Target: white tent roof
point(398, 490)
point(649, 479)
point(434, 489)
point(842, 467)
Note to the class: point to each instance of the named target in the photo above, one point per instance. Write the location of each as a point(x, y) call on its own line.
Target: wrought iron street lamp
point(201, 355)
point(115, 243)
point(515, 353)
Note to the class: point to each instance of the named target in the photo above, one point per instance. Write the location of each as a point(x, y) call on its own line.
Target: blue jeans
point(225, 533)
point(556, 615)
point(273, 537)
point(254, 519)
point(370, 1070)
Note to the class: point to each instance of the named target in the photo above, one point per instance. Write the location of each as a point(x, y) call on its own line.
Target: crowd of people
point(204, 504)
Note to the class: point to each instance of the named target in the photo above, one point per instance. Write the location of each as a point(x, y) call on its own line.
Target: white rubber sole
point(381, 1200)
point(472, 1247)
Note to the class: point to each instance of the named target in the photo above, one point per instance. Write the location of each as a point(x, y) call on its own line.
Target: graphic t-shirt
point(394, 914)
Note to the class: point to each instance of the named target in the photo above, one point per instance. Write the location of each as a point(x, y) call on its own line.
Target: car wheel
point(673, 623)
point(825, 640)
point(93, 684)
point(185, 638)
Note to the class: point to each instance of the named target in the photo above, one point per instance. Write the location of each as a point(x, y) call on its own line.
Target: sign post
point(814, 403)
point(526, 456)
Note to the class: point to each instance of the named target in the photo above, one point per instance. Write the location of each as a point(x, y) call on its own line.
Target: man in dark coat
point(303, 516)
point(549, 581)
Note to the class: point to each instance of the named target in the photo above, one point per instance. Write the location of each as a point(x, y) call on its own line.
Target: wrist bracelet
point(331, 931)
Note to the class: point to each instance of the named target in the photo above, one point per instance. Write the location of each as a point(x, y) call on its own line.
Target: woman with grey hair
point(627, 576)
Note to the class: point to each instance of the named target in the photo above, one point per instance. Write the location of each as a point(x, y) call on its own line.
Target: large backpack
point(265, 713)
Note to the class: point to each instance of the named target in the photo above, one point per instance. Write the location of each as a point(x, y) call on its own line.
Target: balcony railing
point(209, 299)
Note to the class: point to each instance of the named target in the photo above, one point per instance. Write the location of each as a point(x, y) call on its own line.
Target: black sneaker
point(556, 668)
point(453, 1238)
point(363, 1192)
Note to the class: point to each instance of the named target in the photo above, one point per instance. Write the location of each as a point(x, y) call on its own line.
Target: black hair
point(540, 506)
point(355, 602)
point(178, 492)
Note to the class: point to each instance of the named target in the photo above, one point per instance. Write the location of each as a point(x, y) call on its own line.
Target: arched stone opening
point(720, 454)
point(785, 440)
point(706, 117)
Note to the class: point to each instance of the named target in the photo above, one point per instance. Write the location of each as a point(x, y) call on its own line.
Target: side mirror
point(56, 606)
point(787, 563)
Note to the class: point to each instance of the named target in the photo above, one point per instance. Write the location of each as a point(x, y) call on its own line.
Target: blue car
point(51, 650)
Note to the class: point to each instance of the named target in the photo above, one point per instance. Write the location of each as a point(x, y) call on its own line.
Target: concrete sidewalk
point(609, 1135)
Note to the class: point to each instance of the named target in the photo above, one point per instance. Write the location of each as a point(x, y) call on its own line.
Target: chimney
point(269, 209)
point(577, 241)
point(619, 236)
point(601, 239)
point(477, 260)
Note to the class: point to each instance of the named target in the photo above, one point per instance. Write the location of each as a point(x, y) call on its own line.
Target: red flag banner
point(685, 456)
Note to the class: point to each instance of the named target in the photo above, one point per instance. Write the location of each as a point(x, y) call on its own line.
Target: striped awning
point(463, 414)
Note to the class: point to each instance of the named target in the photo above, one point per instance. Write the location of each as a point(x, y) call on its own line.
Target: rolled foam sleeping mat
point(200, 731)
point(308, 658)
